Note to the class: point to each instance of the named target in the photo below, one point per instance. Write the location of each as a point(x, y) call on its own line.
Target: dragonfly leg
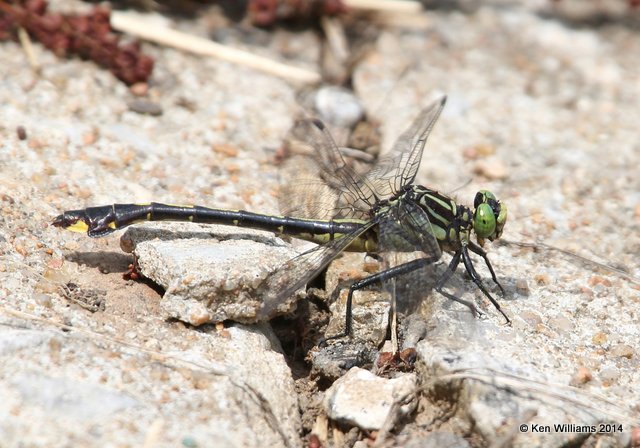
point(444, 278)
point(480, 251)
point(453, 265)
point(378, 278)
point(466, 259)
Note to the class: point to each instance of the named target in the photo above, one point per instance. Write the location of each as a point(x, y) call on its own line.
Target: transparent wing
point(305, 194)
point(398, 168)
point(325, 186)
point(298, 271)
point(353, 190)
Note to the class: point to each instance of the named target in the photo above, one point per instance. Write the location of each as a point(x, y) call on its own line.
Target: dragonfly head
point(489, 216)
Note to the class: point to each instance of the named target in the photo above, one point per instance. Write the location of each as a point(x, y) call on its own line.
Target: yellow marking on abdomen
point(78, 226)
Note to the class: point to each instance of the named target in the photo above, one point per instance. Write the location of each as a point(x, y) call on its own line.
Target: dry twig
point(147, 30)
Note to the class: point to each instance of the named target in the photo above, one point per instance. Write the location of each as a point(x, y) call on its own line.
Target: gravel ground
point(542, 110)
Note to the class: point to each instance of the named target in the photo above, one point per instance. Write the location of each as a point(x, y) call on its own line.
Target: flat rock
point(364, 400)
point(496, 393)
point(71, 398)
point(231, 384)
point(210, 275)
point(16, 340)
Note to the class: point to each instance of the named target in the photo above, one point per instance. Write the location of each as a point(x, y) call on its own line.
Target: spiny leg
point(480, 251)
point(476, 279)
point(444, 278)
point(378, 278)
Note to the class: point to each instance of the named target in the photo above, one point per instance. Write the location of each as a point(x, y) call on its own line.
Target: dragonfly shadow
point(415, 289)
point(105, 262)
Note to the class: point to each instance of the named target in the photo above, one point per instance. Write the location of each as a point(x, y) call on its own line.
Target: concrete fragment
point(364, 400)
point(71, 398)
point(231, 386)
point(214, 274)
point(495, 395)
point(15, 340)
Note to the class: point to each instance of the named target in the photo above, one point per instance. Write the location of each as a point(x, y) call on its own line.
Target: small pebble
point(55, 263)
point(47, 287)
point(582, 376)
point(43, 300)
point(522, 287)
point(531, 318)
point(493, 169)
point(189, 442)
point(147, 107)
point(90, 138)
point(22, 132)
point(561, 324)
point(338, 106)
point(131, 335)
point(599, 338)
point(478, 151)
point(598, 280)
point(313, 441)
point(542, 279)
point(366, 137)
point(226, 149)
point(362, 399)
point(544, 330)
point(622, 351)
point(609, 375)
point(139, 89)
point(199, 317)
point(71, 245)
point(586, 293)
point(21, 250)
point(35, 143)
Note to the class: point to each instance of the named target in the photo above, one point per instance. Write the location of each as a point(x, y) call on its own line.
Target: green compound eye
point(484, 221)
point(483, 196)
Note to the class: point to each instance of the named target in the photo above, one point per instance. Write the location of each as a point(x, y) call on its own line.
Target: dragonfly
point(377, 212)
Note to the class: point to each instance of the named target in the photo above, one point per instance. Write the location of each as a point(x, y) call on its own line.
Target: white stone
point(364, 400)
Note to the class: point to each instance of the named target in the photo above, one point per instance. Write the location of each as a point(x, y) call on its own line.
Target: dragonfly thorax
point(452, 224)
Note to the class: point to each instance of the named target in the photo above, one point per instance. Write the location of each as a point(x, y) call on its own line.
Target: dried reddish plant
point(88, 36)
point(267, 12)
